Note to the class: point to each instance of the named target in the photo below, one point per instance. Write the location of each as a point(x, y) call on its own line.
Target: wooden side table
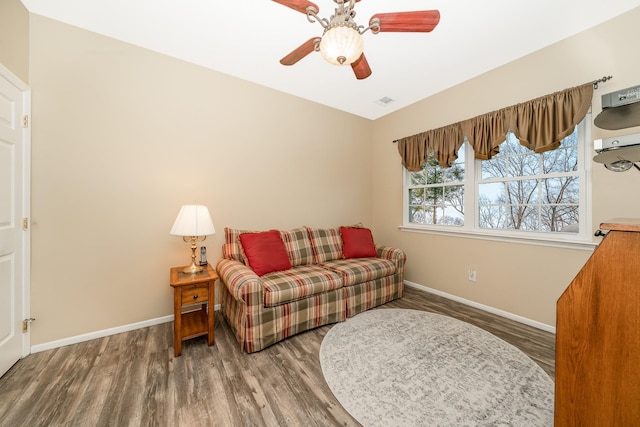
point(189, 290)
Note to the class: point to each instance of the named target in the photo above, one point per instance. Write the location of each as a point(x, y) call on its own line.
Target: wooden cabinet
point(193, 305)
point(598, 335)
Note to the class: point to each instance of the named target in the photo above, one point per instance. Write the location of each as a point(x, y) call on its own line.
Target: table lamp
point(194, 225)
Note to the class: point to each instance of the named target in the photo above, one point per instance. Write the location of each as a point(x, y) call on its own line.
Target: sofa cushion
point(265, 252)
point(298, 246)
point(359, 270)
point(231, 248)
point(326, 243)
point(357, 242)
point(299, 282)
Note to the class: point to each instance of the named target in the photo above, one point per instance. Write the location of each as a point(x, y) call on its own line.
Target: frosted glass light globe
point(341, 45)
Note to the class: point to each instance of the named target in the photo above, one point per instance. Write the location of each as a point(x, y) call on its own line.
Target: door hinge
point(25, 121)
point(25, 224)
point(25, 324)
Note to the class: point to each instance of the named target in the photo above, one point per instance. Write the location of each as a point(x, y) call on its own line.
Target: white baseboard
point(151, 322)
point(487, 308)
point(104, 333)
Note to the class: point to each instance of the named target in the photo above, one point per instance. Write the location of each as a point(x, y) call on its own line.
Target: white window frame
point(581, 240)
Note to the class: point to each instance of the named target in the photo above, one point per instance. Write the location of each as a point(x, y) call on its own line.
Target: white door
point(14, 208)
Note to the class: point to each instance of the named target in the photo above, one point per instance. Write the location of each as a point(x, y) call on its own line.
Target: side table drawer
point(195, 294)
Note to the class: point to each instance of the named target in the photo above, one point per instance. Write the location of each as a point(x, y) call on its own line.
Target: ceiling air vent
point(620, 109)
point(384, 100)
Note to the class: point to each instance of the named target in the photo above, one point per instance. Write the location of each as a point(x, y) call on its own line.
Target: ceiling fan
point(341, 42)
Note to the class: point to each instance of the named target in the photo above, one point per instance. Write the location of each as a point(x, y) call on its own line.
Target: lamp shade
point(341, 45)
point(193, 220)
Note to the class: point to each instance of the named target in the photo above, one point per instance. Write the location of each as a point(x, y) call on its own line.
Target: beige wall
point(122, 137)
point(14, 38)
point(524, 280)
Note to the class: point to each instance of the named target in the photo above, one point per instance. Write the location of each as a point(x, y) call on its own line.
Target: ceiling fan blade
point(298, 5)
point(422, 21)
point(300, 52)
point(361, 68)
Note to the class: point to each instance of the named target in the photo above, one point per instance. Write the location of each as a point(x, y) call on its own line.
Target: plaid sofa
point(320, 288)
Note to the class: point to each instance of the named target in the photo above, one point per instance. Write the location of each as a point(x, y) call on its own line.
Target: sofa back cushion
point(326, 243)
point(296, 243)
point(298, 246)
point(231, 248)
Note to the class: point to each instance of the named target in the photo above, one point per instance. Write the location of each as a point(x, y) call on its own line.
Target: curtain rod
point(603, 79)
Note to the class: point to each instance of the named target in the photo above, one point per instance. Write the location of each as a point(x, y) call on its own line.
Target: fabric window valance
point(540, 124)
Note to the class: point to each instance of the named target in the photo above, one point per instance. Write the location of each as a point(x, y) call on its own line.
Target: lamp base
point(193, 269)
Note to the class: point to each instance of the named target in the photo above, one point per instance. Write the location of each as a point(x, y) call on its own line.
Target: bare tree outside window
point(523, 190)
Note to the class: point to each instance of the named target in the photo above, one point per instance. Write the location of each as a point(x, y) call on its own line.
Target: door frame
point(26, 202)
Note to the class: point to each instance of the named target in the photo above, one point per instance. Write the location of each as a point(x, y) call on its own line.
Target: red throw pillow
point(265, 251)
point(357, 242)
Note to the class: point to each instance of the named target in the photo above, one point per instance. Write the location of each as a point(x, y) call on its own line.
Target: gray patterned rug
point(393, 367)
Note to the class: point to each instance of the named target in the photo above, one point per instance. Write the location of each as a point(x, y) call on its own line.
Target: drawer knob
point(195, 296)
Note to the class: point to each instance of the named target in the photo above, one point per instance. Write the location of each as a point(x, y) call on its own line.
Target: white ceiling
point(247, 38)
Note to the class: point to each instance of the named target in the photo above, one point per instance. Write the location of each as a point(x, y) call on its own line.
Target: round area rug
point(393, 367)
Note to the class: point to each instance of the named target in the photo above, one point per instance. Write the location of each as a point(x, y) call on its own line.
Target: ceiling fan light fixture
point(341, 44)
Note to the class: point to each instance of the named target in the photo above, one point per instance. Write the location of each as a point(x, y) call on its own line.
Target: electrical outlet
point(472, 275)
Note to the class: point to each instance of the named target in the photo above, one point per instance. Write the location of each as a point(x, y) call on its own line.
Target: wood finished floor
point(132, 379)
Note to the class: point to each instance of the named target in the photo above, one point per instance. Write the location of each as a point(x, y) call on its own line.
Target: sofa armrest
point(242, 282)
point(393, 254)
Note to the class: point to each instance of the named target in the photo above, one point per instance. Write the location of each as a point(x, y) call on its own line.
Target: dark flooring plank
point(132, 379)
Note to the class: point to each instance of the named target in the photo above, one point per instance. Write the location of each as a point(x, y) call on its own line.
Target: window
point(518, 194)
point(436, 194)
